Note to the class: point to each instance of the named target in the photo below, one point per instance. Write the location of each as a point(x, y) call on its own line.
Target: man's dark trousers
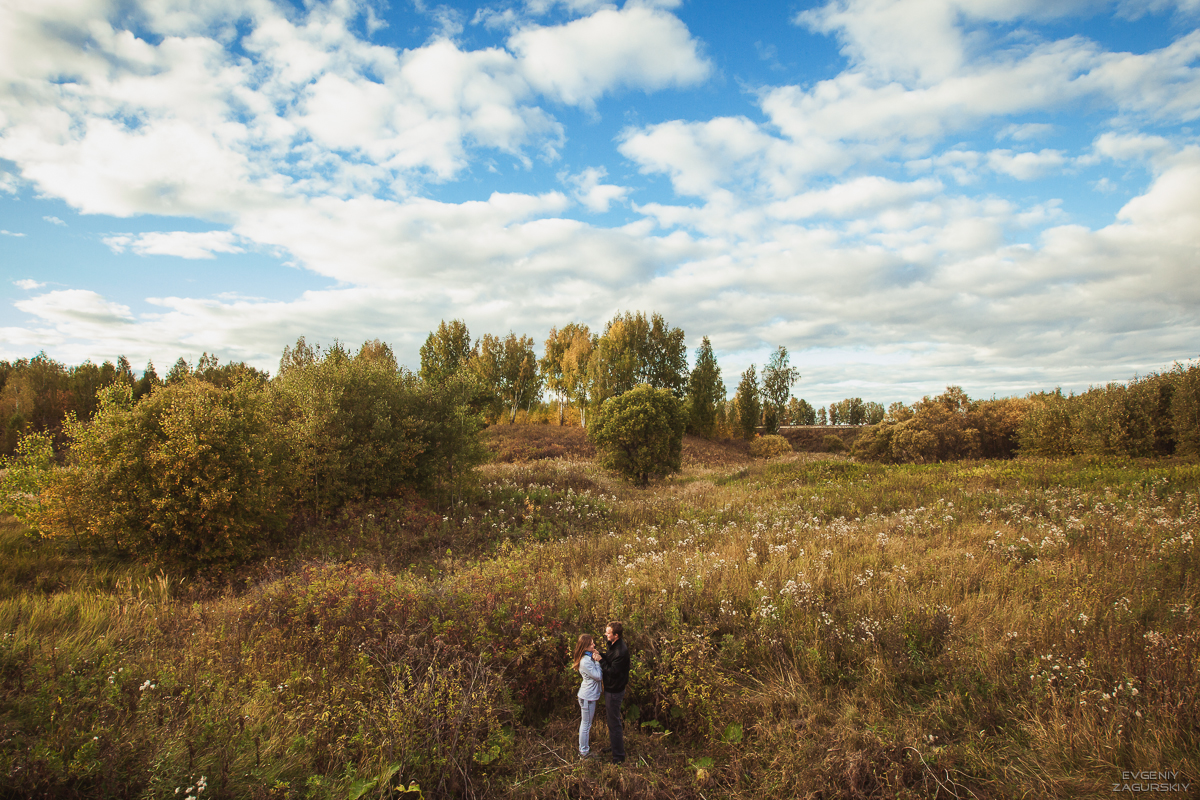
point(616, 729)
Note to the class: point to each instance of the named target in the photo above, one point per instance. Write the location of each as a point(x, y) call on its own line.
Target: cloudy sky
point(1001, 194)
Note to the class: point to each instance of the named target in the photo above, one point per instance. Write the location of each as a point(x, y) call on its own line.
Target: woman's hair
point(585, 641)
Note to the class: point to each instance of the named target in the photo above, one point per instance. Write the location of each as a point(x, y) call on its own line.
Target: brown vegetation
point(811, 438)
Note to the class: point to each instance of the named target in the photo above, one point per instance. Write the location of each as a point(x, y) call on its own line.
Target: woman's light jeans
point(587, 710)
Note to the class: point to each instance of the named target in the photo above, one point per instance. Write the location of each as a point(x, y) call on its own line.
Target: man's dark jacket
point(614, 665)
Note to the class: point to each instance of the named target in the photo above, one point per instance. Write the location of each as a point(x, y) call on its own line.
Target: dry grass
point(804, 627)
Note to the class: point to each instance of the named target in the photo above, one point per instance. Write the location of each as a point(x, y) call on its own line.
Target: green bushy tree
point(358, 426)
point(748, 409)
point(705, 389)
point(800, 412)
point(640, 433)
point(445, 351)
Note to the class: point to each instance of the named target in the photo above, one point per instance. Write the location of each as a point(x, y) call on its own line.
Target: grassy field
point(803, 627)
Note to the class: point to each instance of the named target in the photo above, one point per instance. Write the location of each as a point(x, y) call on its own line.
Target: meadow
point(806, 626)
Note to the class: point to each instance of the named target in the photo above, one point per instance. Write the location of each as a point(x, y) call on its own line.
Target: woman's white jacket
point(593, 683)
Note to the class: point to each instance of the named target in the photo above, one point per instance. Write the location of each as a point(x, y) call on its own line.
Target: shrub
point(948, 427)
point(1185, 408)
point(191, 472)
point(1150, 416)
point(24, 474)
point(640, 433)
point(771, 445)
point(834, 444)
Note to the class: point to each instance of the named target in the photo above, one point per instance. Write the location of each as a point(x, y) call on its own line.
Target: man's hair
point(617, 628)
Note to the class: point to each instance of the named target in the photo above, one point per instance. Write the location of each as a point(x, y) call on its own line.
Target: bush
point(24, 474)
point(834, 444)
point(948, 427)
point(640, 433)
point(770, 446)
point(192, 472)
point(1150, 416)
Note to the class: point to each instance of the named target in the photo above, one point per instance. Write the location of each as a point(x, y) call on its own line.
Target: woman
point(589, 691)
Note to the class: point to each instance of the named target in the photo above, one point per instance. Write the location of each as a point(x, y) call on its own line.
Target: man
point(614, 665)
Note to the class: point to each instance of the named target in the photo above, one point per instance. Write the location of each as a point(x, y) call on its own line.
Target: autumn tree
point(575, 364)
point(778, 377)
point(192, 472)
point(445, 351)
point(564, 365)
point(636, 350)
point(507, 372)
point(704, 390)
point(301, 356)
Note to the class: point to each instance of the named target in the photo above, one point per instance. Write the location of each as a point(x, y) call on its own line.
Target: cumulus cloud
point(69, 307)
point(853, 198)
point(184, 244)
point(639, 46)
point(594, 195)
point(1026, 166)
point(28, 284)
point(861, 219)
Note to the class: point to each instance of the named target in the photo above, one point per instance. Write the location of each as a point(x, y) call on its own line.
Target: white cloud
point(1026, 131)
point(853, 198)
point(639, 47)
point(791, 226)
point(10, 233)
point(701, 156)
point(54, 220)
point(184, 244)
point(28, 284)
point(71, 307)
point(594, 195)
point(1131, 147)
point(1026, 166)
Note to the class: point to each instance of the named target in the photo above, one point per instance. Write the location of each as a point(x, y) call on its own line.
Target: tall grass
point(810, 627)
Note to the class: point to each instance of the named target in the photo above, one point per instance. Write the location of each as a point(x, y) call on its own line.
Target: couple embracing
point(608, 672)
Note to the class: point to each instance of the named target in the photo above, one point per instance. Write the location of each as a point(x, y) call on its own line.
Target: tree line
point(1154, 416)
point(581, 369)
point(39, 394)
point(578, 370)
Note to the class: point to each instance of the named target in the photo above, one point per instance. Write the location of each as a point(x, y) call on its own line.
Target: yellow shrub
point(769, 446)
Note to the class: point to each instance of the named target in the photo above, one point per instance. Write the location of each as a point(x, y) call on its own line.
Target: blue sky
point(1000, 194)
